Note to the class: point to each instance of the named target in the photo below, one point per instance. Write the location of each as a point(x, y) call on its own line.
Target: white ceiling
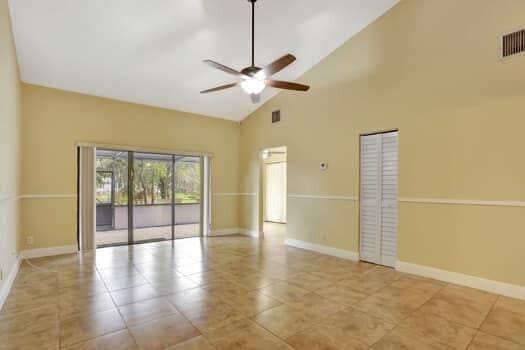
point(151, 51)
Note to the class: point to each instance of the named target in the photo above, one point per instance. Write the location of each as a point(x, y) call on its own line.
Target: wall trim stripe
point(8, 282)
point(315, 196)
point(462, 202)
point(420, 200)
point(340, 253)
point(506, 289)
point(46, 196)
point(234, 194)
point(49, 251)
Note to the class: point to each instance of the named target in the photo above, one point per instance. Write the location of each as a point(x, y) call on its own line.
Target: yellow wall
point(10, 115)
point(432, 70)
point(54, 121)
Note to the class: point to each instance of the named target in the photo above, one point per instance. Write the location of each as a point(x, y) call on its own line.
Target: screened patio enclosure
point(144, 197)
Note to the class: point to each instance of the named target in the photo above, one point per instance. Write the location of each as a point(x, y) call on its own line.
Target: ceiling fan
point(255, 79)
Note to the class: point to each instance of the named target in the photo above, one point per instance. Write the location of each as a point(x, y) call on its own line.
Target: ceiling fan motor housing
point(250, 71)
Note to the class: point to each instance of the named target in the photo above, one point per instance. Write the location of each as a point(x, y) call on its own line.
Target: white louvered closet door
point(276, 192)
point(378, 214)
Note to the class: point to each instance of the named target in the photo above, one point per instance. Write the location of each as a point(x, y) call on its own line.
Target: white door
point(275, 205)
point(378, 200)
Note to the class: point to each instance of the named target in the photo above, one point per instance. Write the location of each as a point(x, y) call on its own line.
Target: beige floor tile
point(71, 280)
point(42, 340)
point(284, 292)
point(511, 305)
point(133, 294)
point(349, 328)
point(505, 324)
point(27, 291)
point(121, 340)
point(419, 284)
point(164, 332)
point(439, 329)
point(84, 327)
point(228, 291)
point(400, 338)
point(197, 343)
point(361, 284)
point(393, 304)
point(205, 314)
point(172, 286)
point(187, 298)
point(145, 311)
point(115, 273)
point(342, 296)
point(246, 293)
point(460, 305)
point(483, 341)
point(308, 281)
point(254, 280)
point(314, 305)
point(244, 334)
point(193, 268)
point(114, 284)
point(82, 288)
point(161, 276)
point(285, 321)
point(33, 320)
point(71, 305)
point(13, 304)
point(208, 277)
point(253, 303)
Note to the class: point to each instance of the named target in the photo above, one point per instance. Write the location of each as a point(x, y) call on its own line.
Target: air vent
point(513, 43)
point(276, 116)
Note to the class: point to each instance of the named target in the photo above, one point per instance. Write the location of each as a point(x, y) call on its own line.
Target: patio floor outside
point(104, 238)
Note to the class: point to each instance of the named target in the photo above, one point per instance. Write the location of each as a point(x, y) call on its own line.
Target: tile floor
point(241, 293)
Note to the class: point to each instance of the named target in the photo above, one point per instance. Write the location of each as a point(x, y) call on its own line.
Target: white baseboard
point(340, 253)
point(234, 231)
point(226, 231)
point(251, 233)
point(8, 282)
point(506, 289)
point(50, 251)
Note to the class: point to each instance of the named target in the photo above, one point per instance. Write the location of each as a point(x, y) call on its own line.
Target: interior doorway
point(274, 191)
point(144, 197)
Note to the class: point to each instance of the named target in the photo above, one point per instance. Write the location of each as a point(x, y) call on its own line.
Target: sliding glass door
point(111, 184)
point(188, 203)
point(147, 197)
point(152, 197)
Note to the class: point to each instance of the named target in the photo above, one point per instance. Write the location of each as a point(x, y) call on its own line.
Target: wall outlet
point(29, 240)
point(323, 165)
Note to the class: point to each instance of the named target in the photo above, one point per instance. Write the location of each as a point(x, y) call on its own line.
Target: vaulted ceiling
point(151, 52)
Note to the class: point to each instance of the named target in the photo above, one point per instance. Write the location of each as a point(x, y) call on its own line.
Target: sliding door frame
point(131, 190)
point(205, 198)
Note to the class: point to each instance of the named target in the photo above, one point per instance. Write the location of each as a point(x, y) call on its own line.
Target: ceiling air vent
point(276, 116)
point(513, 43)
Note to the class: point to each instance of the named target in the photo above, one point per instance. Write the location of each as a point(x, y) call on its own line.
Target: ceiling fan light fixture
point(260, 75)
point(253, 86)
point(255, 79)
